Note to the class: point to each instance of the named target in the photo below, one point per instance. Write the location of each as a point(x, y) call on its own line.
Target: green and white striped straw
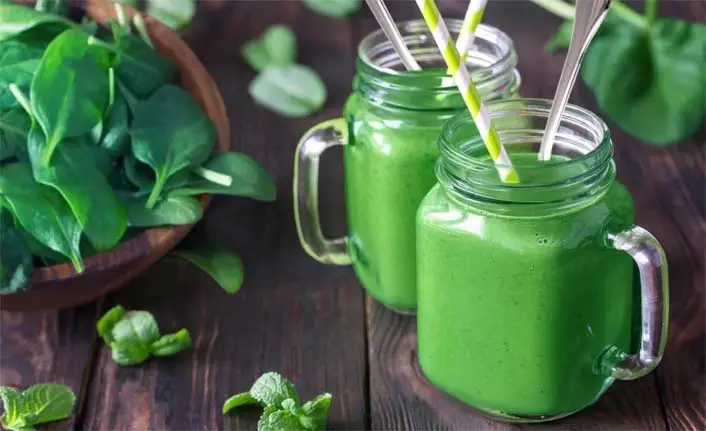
point(470, 95)
point(474, 15)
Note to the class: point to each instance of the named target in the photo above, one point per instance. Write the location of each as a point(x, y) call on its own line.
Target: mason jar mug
point(525, 290)
point(389, 131)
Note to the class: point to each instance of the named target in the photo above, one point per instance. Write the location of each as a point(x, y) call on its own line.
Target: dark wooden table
point(313, 323)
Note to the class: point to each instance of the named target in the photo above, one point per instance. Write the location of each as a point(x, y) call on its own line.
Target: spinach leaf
point(75, 175)
point(77, 70)
point(41, 211)
point(334, 8)
point(17, 19)
point(169, 133)
point(276, 47)
point(139, 174)
point(223, 266)
point(292, 90)
point(249, 179)
point(115, 137)
point(173, 13)
point(176, 210)
point(18, 62)
point(140, 68)
point(652, 83)
point(16, 263)
point(14, 128)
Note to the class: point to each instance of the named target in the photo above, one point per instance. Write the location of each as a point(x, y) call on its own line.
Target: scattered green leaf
point(276, 47)
point(292, 90)
point(134, 336)
point(173, 13)
point(282, 409)
point(38, 404)
point(223, 266)
point(334, 8)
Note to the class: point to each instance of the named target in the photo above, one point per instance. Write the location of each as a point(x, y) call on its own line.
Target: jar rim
point(535, 107)
point(416, 30)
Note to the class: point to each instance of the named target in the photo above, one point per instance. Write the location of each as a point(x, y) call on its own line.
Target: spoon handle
point(588, 18)
point(383, 17)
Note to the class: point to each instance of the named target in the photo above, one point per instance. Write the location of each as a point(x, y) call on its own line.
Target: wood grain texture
point(51, 346)
point(293, 315)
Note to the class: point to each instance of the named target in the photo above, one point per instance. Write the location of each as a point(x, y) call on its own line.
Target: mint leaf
point(223, 266)
point(316, 412)
point(276, 47)
point(171, 344)
point(134, 336)
point(271, 389)
point(292, 90)
point(47, 402)
point(238, 400)
point(279, 420)
point(107, 322)
point(11, 402)
point(136, 327)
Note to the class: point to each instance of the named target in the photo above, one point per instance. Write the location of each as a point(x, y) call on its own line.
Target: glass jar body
point(394, 121)
point(515, 312)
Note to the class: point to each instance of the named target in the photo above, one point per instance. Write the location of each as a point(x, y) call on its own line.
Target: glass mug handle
point(654, 293)
point(306, 191)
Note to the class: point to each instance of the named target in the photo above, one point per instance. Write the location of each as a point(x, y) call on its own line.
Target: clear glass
point(526, 290)
point(389, 132)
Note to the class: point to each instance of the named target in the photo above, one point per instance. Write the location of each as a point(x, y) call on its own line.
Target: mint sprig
point(282, 408)
point(38, 404)
point(134, 336)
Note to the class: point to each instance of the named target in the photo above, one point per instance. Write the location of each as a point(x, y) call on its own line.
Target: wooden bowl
point(60, 286)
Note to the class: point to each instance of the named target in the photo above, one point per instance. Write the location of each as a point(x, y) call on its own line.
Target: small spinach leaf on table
point(249, 179)
point(41, 211)
point(38, 404)
point(170, 132)
point(292, 90)
point(75, 175)
point(171, 344)
point(276, 47)
point(79, 72)
point(17, 19)
point(141, 69)
point(222, 265)
point(16, 263)
point(172, 211)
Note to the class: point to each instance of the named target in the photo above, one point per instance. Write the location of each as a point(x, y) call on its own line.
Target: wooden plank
point(675, 177)
point(401, 398)
point(293, 315)
point(49, 346)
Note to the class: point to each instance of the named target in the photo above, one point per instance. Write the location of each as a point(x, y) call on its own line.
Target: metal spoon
point(383, 17)
point(588, 17)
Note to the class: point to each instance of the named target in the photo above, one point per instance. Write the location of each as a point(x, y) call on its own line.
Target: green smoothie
point(514, 312)
point(389, 168)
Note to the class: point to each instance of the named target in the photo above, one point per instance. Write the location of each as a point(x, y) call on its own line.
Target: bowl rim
point(164, 39)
